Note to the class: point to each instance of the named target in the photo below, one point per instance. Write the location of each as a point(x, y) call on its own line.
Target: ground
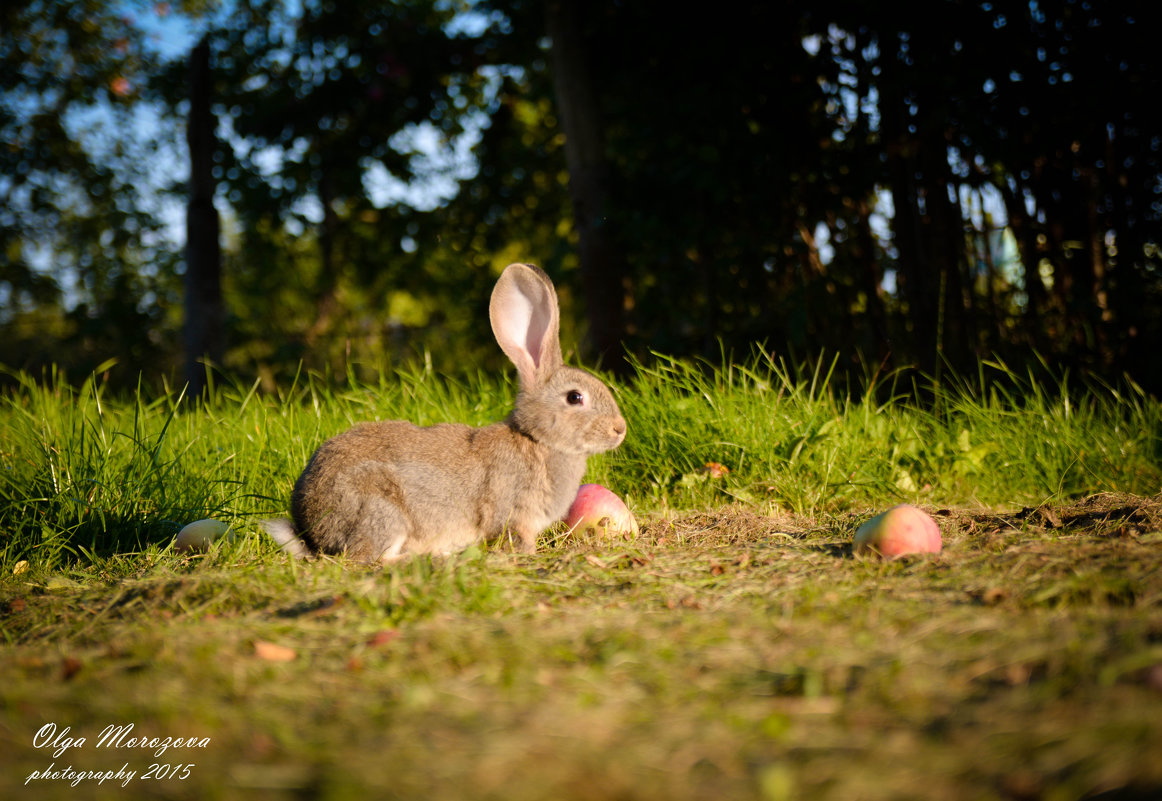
point(727, 653)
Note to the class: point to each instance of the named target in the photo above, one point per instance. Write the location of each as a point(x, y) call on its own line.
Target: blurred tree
point(746, 152)
point(325, 106)
point(900, 187)
point(82, 251)
point(203, 280)
point(703, 147)
point(602, 261)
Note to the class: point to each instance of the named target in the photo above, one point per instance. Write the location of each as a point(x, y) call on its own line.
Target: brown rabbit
point(384, 490)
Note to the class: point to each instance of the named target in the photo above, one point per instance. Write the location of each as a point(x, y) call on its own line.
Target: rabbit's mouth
point(597, 439)
point(618, 427)
point(609, 436)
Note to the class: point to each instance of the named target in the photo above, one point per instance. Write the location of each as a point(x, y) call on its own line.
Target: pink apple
point(901, 530)
point(597, 511)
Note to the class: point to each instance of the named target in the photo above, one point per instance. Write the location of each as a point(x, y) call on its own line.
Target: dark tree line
point(729, 142)
point(898, 187)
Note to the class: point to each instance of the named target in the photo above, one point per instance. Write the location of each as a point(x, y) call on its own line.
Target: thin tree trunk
point(983, 237)
point(603, 270)
point(870, 277)
point(203, 279)
point(943, 231)
point(1036, 297)
point(919, 285)
point(1102, 313)
point(326, 306)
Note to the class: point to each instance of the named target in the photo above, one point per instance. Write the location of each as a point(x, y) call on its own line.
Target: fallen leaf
point(993, 596)
point(70, 667)
point(1050, 517)
point(1153, 676)
point(261, 746)
point(382, 638)
point(273, 652)
point(716, 470)
point(1023, 784)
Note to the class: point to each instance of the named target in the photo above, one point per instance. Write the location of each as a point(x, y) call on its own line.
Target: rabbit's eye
point(574, 397)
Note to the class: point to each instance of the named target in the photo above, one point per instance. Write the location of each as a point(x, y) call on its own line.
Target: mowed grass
point(735, 649)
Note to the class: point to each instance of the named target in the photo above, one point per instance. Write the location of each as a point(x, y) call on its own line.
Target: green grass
point(735, 649)
point(83, 476)
point(799, 442)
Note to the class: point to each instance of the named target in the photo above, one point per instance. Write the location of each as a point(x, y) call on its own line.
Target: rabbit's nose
point(619, 427)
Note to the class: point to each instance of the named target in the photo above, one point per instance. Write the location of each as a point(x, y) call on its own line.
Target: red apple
point(901, 530)
point(598, 511)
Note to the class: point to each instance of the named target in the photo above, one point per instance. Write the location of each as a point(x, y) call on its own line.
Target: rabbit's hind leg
point(382, 531)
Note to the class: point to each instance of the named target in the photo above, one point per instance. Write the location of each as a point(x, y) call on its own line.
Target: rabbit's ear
point(526, 321)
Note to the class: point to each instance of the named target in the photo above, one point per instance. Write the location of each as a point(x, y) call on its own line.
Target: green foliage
point(86, 268)
point(803, 439)
point(87, 472)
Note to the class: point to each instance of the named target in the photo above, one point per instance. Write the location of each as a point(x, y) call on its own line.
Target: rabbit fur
point(384, 490)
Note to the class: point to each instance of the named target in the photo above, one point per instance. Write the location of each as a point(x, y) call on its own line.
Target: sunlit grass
point(83, 474)
point(795, 439)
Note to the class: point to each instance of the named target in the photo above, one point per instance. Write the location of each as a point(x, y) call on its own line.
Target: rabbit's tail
point(282, 531)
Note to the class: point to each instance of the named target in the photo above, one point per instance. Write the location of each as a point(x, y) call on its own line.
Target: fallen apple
point(903, 529)
point(197, 536)
point(597, 511)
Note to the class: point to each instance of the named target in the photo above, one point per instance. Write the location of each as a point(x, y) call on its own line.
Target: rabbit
point(382, 491)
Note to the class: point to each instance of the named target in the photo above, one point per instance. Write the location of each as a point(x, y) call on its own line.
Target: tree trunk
point(327, 304)
point(919, 285)
point(943, 233)
point(603, 269)
point(1037, 330)
point(203, 306)
point(871, 276)
point(1102, 312)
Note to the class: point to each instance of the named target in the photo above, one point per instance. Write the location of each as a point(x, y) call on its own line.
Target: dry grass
point(723, 653)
